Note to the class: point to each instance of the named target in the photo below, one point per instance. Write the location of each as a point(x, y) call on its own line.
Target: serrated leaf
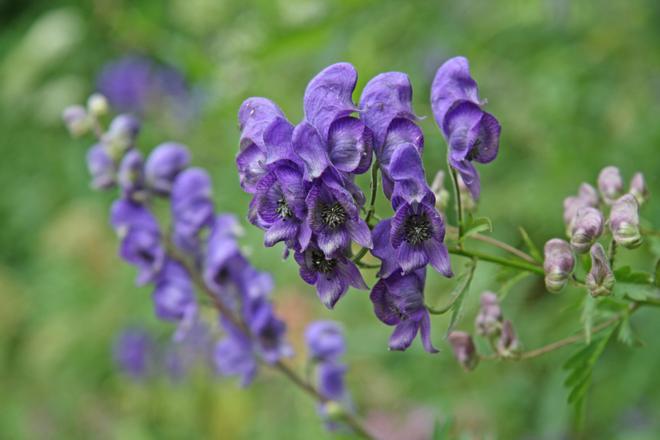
point(531, 247)
point(625, 274)
point(474, 226)
point(579, 391)
point(637, 294)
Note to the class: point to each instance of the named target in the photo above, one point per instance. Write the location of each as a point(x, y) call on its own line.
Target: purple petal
point(330, 289)
point(469, 175)
point(254, 115)
point(329, 96)
point(282, 230)
point(349, 272)
point(398, 232)
point(308, 145)
point(360, 233)
point(385, 97)
point(488, 139)
point(349, 145)
point(384, 310)
point(411, 257)
point(425, 331)
point(277, 139)
point(332, 242)
point(383, 249)
point(403, 335)
point(452, 82)
point(438, 257)
point(251, 166)
point(400, 132)
point(459, 128)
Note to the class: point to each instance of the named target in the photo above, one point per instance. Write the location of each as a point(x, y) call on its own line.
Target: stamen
point(333, 215)
point(321, 264)
point(283, 209)
point(417, 229)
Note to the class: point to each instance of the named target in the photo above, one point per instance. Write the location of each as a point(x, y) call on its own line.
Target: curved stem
point(522, 265)
point(497, 243)
point(371, 212)
point(459, 207)
point(280, 366)
point(458, 293)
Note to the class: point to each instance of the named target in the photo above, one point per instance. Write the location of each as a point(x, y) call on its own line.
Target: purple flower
point(254, 117)
point(638, 188)
point(192, 207)
point(267, 330)
point(163, 165)
point(472, 134)
point(610, 184)
point(101, 167)
point(279, 205)
point(331, 276)
point(334, 218)
point(121, 135)
point(133, 352)
point(409, 179)
point(587, 197)
point(507, 345)
point(223, 263)
point(174, 298)
point(399, 300)
point(324, 340)
point(464, 350)
point(383, 249)
point(417, 234)
point(624, 222)
point(131, 177)
point(141, 239)
point(558, 264)
point(489, 319)
point(233, 355)
point(331, 380)
point(587, 226)
point(600, 279)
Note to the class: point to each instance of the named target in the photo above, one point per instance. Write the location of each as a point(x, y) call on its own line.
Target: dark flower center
point(417, 229)
point(321, 264)
point(333, 215)
point(283, 209)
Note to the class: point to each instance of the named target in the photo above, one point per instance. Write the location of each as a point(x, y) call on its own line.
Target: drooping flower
point(417, 234)
point(102, 167)
point(134, 352)
point(267, 330)
point(331, 276)
point(587, 226)
point(507, 345)
point(192, 207)
point(472, 134)
point(638, 188)
point(624, 222)
point(163, 165)
point(333, 218)
point(600, 279)
point(174, 298)
point(489, 319)
point(558, 264)
point(610, 184)
point(131, 177)
point(331, 380)
point(464, 350)
point(324, 340)
point(409, 179)
point(399, 301)
point(233, 355)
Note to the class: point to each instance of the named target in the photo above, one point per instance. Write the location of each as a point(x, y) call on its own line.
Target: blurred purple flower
point(134, 351)
point(324, 340)
point(163, 165)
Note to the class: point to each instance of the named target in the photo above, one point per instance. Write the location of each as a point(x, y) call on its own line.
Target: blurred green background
point(575, 84)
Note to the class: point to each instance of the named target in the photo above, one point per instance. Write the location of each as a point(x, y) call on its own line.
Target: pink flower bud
point(624, 222)
point(610, 184)
point(464, 350)
point(558, 265)
point(638, 188)
point(589, 194)
point(76, 120)
point(600, 279)
point(508, 342)
point(586, 228)
point(490, 315)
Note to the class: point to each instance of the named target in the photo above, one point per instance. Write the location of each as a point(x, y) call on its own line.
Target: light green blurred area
point(575, 85)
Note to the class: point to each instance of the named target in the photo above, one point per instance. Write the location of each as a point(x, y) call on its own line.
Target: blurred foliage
point(575, 84)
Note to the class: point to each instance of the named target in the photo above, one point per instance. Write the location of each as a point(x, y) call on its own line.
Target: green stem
point(459, 207)
point(497, 243)
point(459, 292)
point(522, 265)
point(371, 212)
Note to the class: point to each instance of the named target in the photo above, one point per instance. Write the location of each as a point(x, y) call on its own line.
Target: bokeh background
point(575, 84)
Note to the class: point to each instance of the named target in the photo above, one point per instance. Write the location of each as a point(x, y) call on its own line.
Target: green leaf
point(531, 247)
point(508, 284)
point(476, 225)
point(460, 292)
point(656, 276)
point(625, 335)
point(625, 274)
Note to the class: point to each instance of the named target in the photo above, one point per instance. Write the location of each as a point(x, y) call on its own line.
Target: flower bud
point(490, 315)
point(558, 265)
point(164, 163)
point(121, 135)
point(97, 105)
point(586, 228)
point(589, 194)
point(101, 167)
point(600, 279)
point(610, 184)
point(638, 188)
point(441, 194)
point(131, 176)
point(464, 350)
point(76, 120)
point(508, 342)
point(624, 222)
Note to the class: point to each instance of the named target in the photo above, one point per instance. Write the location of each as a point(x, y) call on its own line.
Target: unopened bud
point(97, 105)
point(121, 134)
point(558, 264)
point(76, 120)
point(490, 315)
point(624, 222)
point(101, 167)
point(441, 194)
point(131, 176)
point(464, 350)
point(589, 194)
point(600, 279)
point(638, 188)
point(586, 228)
point(164, 164)
point(507, 345)
point(610, 184)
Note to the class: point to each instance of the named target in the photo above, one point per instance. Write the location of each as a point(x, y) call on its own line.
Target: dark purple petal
point(403, 335)
point(469, 175)
point(125, 214)
point(383, 249)
point(487, 139)
point(459, 128)
point(411, 257)
point(383, 307)
point(385, 97)
point(325, 340)
point(164, 163)
point(330, 289)
point(349, 145)
point(331, 380)
point(425, 331)
point(282, 230)
point(348, 271)
point(131, 176)
point(438, 257)
point(101, 167)
point(398, 231)
point(251, 163)
point(308, 145)
point(329, 96)
point(333, 242)
point(452, 82)
point(360, 233)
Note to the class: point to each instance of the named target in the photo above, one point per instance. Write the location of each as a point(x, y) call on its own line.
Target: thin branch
point(497, 243)
point(522, 265)
point(459, 207)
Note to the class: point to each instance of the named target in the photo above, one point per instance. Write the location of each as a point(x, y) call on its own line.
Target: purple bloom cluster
point(472, 134)
point(199, 240)
point(302, 179)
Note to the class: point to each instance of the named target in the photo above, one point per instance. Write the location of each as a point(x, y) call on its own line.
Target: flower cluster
point(326, 345)
point(199, 241)
point(472, 133)
point(302, 179)
point(585, 224)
